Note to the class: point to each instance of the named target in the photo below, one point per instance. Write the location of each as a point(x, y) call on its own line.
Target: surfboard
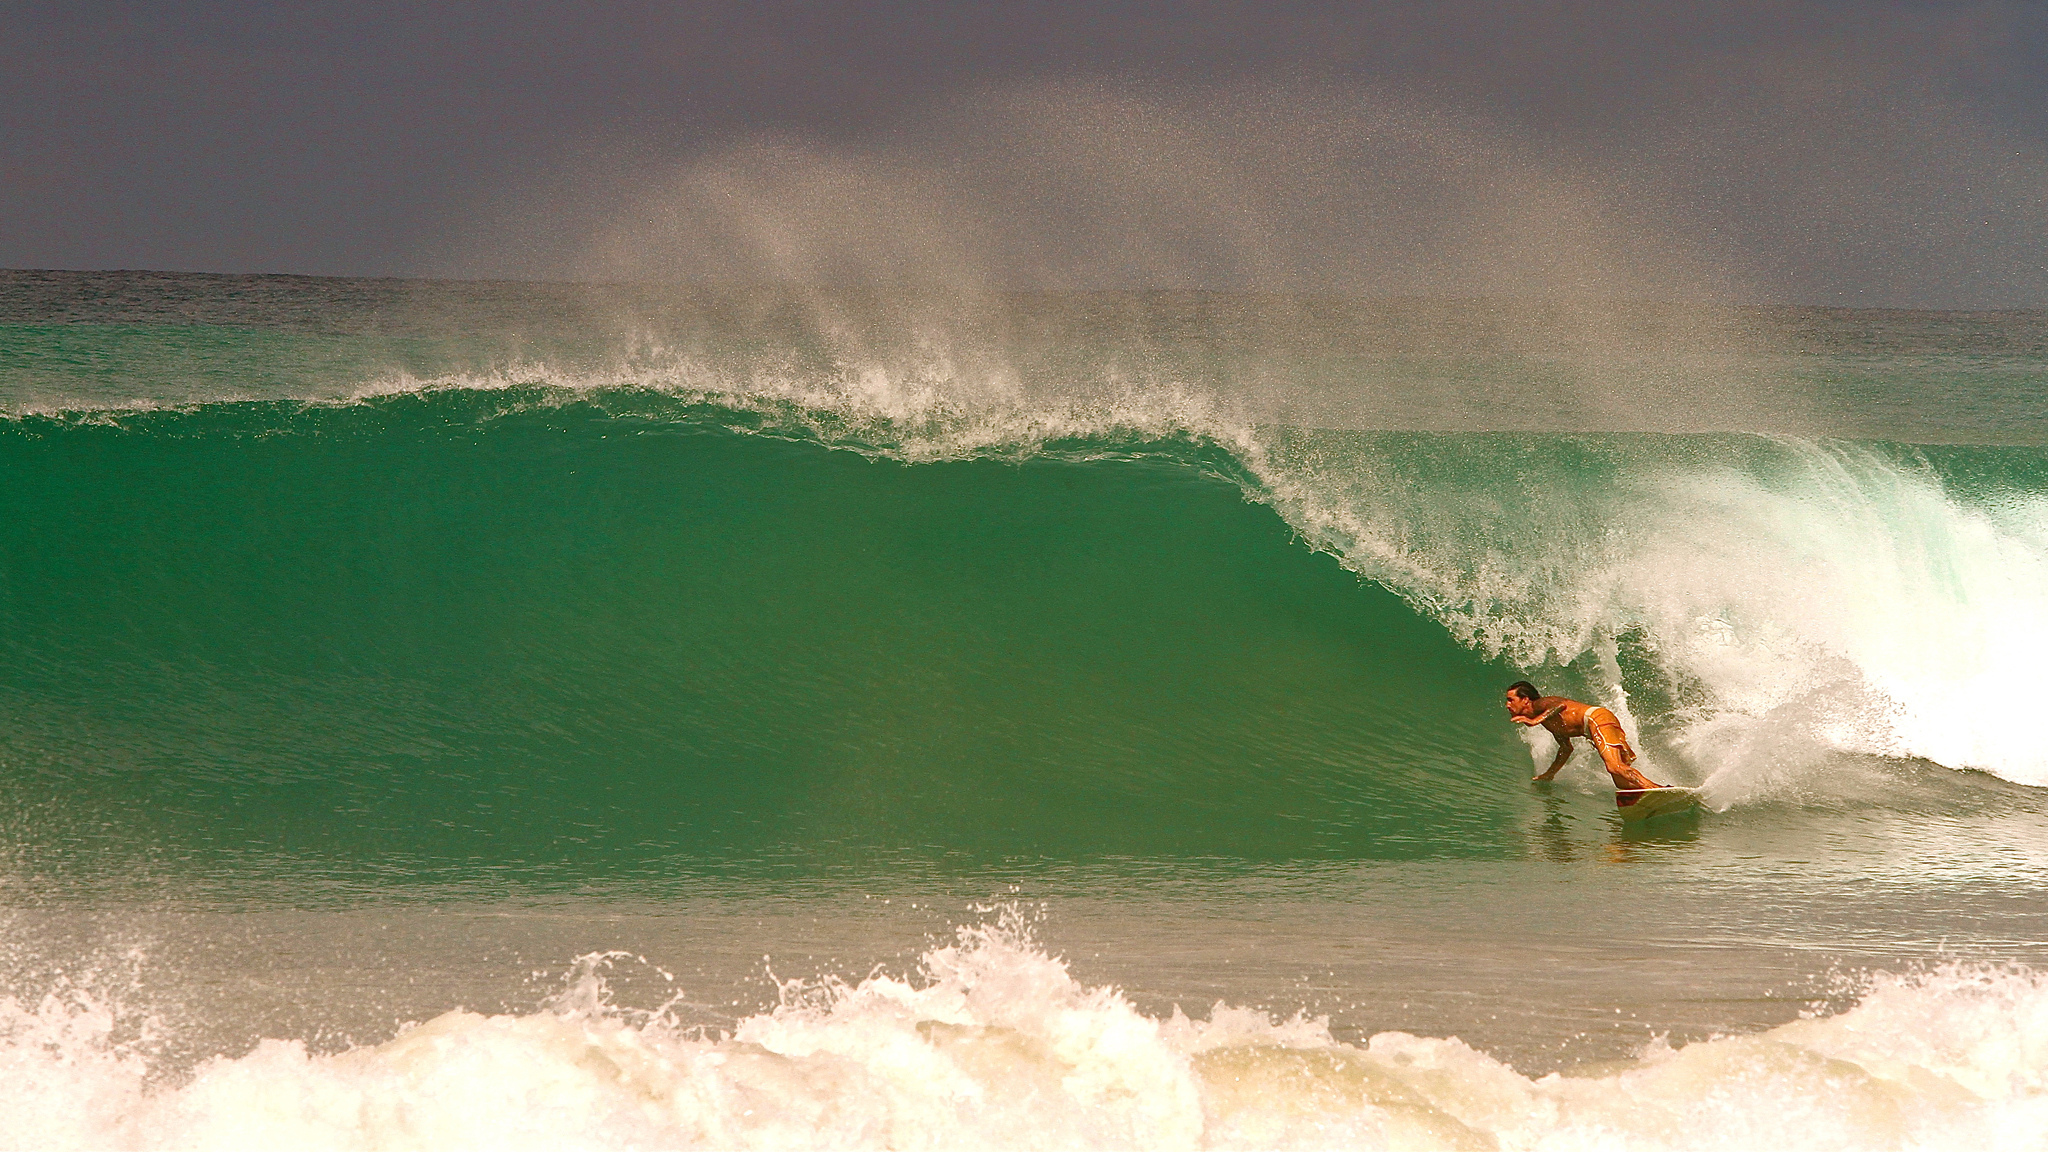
point(1645, 803)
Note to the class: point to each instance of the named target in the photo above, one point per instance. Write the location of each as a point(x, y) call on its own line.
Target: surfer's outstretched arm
point(1564, 753)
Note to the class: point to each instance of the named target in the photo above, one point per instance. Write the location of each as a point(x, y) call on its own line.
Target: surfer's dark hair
point(1525, 690)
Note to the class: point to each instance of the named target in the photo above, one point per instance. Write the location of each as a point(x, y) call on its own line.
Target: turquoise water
point(427, 627)
point(1162, 637)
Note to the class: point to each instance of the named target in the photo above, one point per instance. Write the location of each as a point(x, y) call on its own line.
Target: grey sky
point(1872, 153)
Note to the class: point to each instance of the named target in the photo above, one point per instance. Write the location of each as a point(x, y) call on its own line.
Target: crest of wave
point(993, 1044)
point(919, 405)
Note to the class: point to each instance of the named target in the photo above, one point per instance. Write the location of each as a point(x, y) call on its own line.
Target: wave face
point(501, 574)
point(518, 626)
point(522, 623)
point(992, 1043)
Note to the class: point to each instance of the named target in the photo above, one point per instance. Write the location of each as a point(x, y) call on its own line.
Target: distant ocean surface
point(440, 715)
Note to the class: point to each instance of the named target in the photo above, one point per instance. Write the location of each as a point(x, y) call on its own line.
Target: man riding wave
point(1567, 719)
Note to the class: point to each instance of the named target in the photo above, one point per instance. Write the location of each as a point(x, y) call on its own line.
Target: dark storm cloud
point(1879, 153)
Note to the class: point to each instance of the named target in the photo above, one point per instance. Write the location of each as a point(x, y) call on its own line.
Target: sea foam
point(992, 1044)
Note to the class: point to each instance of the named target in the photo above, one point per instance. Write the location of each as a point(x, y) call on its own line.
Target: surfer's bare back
point(1566, 719)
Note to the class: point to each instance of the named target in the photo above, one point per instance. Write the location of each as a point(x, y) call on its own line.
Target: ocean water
point(445, 715)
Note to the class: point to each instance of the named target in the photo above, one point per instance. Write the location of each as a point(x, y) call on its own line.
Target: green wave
point(504, 630)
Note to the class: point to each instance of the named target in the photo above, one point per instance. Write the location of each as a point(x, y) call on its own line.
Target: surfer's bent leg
point(1612, 744)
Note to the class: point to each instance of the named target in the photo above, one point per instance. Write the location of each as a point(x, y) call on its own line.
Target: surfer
point(1566, 719)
